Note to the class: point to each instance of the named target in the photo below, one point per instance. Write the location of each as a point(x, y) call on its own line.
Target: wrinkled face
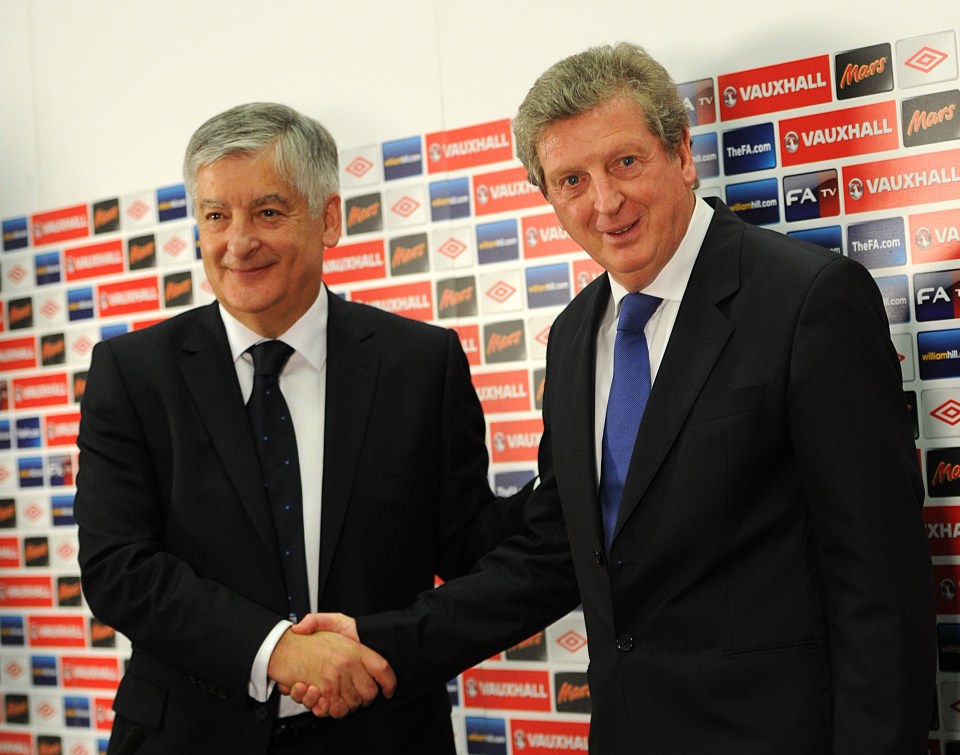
point(262, 251)
point(620, 195)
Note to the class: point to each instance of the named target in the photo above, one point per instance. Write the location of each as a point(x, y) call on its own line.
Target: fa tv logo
point(811, 195)
point(937, 295)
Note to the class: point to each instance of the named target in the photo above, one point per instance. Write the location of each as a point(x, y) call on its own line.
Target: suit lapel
point(699, 335)
point(573, 421)
point(211, 379)
point(352, 369)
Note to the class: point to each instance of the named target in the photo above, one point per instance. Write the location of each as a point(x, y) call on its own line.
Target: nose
point(242, 240)
point(607, 197)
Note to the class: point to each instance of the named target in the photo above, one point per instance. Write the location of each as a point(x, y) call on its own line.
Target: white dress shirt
point(669, 285)
point(303, 383)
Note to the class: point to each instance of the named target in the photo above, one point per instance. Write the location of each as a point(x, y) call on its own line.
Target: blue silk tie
point(277, 447)
point(628, 399)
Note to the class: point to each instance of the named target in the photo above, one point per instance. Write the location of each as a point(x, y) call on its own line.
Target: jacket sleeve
point(135, 569)
point(523, 585)
point(863, 491)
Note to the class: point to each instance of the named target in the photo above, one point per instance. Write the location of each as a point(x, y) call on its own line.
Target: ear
point(688, 168)
point(332, 221)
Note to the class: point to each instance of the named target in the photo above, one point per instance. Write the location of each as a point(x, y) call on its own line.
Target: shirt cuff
point(260, 685)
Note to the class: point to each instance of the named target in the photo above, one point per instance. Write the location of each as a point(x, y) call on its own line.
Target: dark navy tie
point(628, 399)
point(277, 447)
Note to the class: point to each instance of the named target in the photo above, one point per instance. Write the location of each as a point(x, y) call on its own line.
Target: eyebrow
point(257, 202)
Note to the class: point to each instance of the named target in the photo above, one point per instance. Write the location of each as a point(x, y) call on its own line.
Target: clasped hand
point(321, 664)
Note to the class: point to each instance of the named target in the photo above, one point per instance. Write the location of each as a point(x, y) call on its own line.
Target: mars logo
point(503, 341)
point(931, 118)
point(811, 195)
point(867, 70)
point(943, 472)
point(106, 216)
point(363, 214)
point(936, 236)
point(937, 295)
point(408, 254)
point(456, 297)
point(779, 87)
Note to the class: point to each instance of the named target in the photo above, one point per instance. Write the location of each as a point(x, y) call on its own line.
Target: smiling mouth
point(623, 230)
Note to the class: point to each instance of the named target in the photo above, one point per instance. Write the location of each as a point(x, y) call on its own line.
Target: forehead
point(612, 125)
point(240, 174)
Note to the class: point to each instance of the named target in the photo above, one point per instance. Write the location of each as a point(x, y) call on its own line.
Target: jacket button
point(624, 643)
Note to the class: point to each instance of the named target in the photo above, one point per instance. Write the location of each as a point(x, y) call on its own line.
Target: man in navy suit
point(765, 585)
point(177, 543)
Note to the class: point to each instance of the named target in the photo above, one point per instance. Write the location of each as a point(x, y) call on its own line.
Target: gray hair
point(583, 81)
point(304, 152)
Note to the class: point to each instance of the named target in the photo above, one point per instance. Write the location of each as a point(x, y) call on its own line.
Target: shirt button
point(624, 643)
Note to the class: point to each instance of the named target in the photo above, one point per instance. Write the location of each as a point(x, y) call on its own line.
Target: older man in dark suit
point(728, 475)
point(192, 541)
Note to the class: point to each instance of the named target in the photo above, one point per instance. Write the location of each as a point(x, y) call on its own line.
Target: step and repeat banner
point(856, 150)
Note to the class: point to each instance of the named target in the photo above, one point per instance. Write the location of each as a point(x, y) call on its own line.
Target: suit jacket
point(177, 548)
point(769, 588)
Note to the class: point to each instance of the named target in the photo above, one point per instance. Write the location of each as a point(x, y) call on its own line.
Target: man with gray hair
point(208, 525)
point(728, 479)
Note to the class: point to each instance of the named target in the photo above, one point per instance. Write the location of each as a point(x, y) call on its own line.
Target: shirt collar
point(672, 280)
point(307, 335)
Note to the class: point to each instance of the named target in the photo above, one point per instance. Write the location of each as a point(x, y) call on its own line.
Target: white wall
point(99, 97)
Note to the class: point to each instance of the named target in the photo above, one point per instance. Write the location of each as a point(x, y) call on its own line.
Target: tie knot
point(635, 310)
point(269, 357)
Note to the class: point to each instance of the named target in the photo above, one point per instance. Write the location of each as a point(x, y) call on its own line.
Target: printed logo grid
point(855, 150)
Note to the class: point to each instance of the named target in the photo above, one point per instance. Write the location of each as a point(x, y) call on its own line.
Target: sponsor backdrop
point(857, 150)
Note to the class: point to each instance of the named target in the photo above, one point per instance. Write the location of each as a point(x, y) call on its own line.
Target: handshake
point(321, 664)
